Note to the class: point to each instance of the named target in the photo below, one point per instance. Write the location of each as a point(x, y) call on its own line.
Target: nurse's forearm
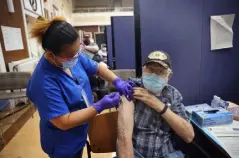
point(74, 119)
point(106, 74)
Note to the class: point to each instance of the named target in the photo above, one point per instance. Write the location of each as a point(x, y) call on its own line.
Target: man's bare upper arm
point(125, 129)
point(126, 119)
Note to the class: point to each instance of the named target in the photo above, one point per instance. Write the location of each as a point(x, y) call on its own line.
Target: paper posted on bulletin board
point(12, 38)
point(2, 62)
point(221, 31)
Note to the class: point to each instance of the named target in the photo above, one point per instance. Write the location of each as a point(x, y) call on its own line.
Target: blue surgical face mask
point(154, 83)
point(69, 64)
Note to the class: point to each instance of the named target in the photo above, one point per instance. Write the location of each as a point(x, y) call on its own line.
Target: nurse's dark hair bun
point(54, 34)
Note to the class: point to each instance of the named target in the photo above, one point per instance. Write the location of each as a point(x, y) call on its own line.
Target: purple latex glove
point(124, 87)
point(109, 101)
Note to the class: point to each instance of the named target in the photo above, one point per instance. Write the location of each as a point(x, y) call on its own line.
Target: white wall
point(90, 19)
point(64, 8)
point(2, 63)
point(127, 3)
point(31, 44)
point(31, 13)
point(35, 48)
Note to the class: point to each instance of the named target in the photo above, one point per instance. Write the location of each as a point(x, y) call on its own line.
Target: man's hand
point(145, 96)
point(183, 128)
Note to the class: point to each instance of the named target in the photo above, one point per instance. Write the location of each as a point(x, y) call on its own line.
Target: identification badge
point(87, 103)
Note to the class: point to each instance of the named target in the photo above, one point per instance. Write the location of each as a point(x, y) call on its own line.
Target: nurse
point(60, 89)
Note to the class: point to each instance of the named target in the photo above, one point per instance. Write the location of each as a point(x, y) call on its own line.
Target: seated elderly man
point(146, 126)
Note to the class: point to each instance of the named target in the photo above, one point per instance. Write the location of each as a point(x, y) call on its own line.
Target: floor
point(6, 122)
point(26, 143)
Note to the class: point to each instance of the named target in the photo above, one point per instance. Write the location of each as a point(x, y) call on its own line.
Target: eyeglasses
point(160, 71)
point(163, 73)
point(63, 59)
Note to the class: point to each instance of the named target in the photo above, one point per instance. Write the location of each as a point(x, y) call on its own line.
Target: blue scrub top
point(55, 93)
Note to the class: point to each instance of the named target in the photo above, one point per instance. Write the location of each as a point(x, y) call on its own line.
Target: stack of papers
point(228, 136)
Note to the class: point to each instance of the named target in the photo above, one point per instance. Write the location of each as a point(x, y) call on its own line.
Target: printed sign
point(33, 6)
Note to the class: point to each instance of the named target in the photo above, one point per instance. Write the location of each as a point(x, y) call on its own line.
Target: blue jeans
point(176, 154)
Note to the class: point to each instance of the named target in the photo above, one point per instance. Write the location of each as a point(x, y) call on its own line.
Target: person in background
point(89, 48)
point(61, 91)
point(146, 126)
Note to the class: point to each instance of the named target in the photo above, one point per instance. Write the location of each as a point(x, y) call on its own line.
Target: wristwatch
point(164, 109)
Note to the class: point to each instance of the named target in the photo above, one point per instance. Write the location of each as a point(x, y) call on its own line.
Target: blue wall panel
point(219, 69)
point(123, 28)
point(182, 28)
point(175, 26)
point(109, 45)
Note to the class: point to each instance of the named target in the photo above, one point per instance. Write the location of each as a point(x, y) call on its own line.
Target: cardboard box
point(212, 117)
point(191, 108)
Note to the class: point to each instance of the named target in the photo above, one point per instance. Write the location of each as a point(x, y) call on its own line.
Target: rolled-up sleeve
point(53, 104)
point(88, 64)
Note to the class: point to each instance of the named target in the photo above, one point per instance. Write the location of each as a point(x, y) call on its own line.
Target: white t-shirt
point(89, 53)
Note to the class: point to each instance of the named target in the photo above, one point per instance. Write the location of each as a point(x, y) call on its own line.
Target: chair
point(102, 133)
